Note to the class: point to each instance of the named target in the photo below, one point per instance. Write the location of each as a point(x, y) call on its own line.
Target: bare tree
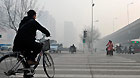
point(13, 11)
point(90, 39)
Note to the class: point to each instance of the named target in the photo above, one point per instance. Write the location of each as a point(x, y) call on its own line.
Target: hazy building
point(69, 34)
point(48, 21)
point(7, 36)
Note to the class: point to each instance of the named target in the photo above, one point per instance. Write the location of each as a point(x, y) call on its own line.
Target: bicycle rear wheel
point(9, 64)
point(48, 65)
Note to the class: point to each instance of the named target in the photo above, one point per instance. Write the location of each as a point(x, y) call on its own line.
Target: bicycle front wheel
point(48, 65)
point(9, 64)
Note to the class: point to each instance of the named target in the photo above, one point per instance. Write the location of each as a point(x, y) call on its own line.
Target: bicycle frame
point(43, 50)
point(22, 60)
point(27, 66)
point(39, 58)
point(15, 69)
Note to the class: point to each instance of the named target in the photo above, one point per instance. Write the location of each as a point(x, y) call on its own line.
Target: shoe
point(30, 62)
point(18, 59)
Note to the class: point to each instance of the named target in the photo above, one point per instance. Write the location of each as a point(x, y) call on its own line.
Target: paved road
point(96, 65)
point(135, 57)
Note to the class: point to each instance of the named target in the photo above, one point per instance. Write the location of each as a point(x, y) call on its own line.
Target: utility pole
point(92, 26)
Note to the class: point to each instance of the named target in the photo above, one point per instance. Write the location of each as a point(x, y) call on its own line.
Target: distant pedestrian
point(131, 49)
point(125, 49)
point(95, 49)
point(120, 48)
point(117, 49)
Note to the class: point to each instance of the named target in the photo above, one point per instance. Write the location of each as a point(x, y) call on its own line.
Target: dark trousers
point(29, 50)
point(109, 52)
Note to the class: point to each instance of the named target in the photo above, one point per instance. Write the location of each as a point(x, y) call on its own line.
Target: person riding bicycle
point(24, 41)
point(109, 48)
point(72, 48)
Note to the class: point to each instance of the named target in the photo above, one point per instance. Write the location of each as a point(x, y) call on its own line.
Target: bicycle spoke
point(49, 61)
point(48, 65)
point(8, 67)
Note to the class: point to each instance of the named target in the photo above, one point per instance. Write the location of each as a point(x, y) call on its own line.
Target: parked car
point(55, 48)
point(5, 48)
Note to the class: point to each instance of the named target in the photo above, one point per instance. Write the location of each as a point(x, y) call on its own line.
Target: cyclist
point(109, 48)
point(131, 49)
point(24, 41)
point(72, 49)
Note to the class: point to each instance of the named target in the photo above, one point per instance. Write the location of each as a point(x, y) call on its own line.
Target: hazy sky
point(79, 12)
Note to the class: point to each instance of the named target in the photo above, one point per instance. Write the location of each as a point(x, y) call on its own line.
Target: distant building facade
point(49, 22)
point(69, 34)
point(7, 36)
point(122, 36)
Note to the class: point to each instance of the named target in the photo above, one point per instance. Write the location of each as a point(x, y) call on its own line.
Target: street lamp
point(95, 32)
point(128, 11)
point(92, 16)
point(92, 26)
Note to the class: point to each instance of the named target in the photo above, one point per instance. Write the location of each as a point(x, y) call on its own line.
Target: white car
point(6, 48)
point(55, 48)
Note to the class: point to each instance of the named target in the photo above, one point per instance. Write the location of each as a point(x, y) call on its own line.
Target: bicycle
point(16, 66)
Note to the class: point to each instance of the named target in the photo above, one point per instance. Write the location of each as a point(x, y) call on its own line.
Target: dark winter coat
point(27, 32)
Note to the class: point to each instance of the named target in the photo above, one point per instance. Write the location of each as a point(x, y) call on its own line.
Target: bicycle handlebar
point(43, 39)
point(45, 42)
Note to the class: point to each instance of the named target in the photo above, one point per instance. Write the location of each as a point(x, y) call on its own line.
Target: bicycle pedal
point(31, 71)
